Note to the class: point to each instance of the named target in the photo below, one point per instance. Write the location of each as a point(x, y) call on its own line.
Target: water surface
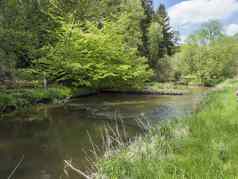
point(47, 135)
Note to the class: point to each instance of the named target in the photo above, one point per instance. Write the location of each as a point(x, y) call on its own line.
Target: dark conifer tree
point(168, 44)
point(145, 23)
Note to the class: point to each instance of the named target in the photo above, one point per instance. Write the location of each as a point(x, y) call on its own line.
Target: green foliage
point(209, 56)
point(98, 49)
point(161, 45)
point(89, 10)
point(162, 66)
point(25, 27)
point(7, 67)
point(209, 32)
point(28, 74)
point(129, 23)
point(21, 98)
point(209, 64)
point(97, 59)
point(145, 24)
point(155, 37)
point(169, 36)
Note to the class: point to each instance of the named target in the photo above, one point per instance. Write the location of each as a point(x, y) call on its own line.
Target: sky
point(186, 16)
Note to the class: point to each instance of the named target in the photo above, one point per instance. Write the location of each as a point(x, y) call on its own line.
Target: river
point(47, 135)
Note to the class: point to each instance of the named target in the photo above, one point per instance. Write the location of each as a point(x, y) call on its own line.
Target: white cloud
point(191, 12)
point(231, 29)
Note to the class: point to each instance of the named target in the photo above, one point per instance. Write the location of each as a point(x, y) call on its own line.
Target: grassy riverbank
point(154, 88)
point(15, 99)
point(203, 145)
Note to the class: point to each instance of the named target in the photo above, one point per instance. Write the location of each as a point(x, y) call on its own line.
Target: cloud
point(231, 29)
point(192, 12)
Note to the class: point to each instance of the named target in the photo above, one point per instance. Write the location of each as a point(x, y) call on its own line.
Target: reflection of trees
point(30, 138)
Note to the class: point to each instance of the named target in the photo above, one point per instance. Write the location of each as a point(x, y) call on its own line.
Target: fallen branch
point(14, 170)
point(76, 170)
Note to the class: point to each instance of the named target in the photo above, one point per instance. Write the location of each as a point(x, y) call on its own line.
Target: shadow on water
point(48, 135)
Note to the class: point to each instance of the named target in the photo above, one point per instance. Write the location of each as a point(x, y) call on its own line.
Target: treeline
point(208, 57)
point(92, 43)
point(107, 44)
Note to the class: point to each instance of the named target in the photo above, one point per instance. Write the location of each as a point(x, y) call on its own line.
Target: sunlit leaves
point(98, 58)
point(212, 63)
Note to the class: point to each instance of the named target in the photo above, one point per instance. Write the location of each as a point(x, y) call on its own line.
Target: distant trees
point(209, 57)
point(208, 33)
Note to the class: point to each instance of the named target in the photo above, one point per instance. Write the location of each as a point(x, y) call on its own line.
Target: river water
point(47, 135)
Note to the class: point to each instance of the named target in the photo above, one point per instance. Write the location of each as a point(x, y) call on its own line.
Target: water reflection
point(47, 135)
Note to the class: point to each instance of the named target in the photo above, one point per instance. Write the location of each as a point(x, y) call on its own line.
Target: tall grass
point(202, 146)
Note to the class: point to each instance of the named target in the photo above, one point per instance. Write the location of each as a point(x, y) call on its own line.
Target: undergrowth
point(11, 100)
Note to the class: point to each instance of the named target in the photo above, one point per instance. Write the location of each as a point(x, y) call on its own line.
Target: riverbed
point(47, 135)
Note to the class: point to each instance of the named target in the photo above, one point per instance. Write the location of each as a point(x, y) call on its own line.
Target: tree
point(145, 24)
point(168, 43)
point(161, 44)
point(26, 27)
point(209, 32)
point(155, 37)
point(89, 10)
point(98, 58)
point(209, 56)
point(162, 66)
point(128, 22)
point(211, 63)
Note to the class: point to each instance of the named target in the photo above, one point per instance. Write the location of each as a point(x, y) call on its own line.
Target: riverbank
point(154, 88)
point(203, 145)
point(16, 99)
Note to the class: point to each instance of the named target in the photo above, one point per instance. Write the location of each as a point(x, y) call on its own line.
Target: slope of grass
point(202, 146)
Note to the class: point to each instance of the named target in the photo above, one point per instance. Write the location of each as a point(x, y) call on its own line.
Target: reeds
point(203, 145)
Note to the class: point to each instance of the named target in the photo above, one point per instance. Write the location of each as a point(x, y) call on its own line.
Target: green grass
point(202, 146)
point(167, 87)
point(158, 86)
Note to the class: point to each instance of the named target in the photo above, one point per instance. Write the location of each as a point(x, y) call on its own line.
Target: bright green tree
point(129, 21)
point(98, 58)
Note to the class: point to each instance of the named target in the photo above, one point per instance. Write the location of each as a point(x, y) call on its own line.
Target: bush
point(22, 98)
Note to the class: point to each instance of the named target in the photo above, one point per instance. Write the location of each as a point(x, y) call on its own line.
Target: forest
point(52, 50)
point(105, 44)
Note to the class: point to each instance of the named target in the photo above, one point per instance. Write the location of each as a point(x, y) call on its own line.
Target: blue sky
point(168, 3)
point(186, 16)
